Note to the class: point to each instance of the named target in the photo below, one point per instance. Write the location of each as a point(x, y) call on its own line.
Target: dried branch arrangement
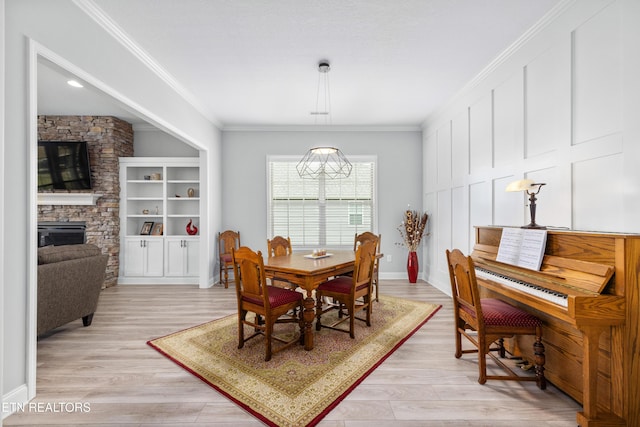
point(412, 228)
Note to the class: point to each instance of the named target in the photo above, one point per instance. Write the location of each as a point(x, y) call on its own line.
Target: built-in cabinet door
point(182, 256)
point(143, 257)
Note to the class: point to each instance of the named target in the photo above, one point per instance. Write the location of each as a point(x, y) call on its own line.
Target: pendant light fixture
point(324, 161)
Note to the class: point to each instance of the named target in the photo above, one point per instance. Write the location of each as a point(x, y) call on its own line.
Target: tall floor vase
point(412, 267)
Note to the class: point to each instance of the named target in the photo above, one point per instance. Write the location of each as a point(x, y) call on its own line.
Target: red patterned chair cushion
point(277, 297)
point(341, 284)
point(226, 258)
point(498, 313)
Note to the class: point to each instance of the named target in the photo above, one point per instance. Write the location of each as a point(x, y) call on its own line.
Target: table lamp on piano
point(532, 188)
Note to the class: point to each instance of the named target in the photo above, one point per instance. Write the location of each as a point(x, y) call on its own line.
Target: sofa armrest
point(69, 290)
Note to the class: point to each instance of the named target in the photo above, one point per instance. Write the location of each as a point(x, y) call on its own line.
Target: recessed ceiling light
point(74, 83)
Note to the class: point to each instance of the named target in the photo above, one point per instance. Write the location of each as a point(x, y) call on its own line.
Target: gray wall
point(244, 183)
point(155, 143)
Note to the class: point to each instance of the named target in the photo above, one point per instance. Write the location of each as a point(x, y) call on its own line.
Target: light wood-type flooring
point(109, 369)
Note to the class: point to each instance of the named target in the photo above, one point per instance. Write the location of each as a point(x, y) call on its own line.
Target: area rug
point(296, 387)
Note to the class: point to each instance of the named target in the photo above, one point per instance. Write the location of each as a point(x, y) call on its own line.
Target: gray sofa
point(69, 282)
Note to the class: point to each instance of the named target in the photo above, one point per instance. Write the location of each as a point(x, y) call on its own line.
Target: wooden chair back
point(279, 246)
point(249, 274)
point(227, 241)
point(369, 236)
point(363, 237)
point(464, 290)
point(364, 264)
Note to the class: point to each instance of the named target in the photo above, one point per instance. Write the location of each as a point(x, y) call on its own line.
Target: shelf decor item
point(146, 228)
point(157, 229)
point(191, 192)
point(412, 230)
point(192, 230)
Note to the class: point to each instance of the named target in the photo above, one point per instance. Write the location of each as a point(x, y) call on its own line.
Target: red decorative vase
point(192, 230)
point(412, 267)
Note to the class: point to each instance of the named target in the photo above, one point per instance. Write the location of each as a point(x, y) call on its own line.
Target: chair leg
point(318, 311)
point(268, 330)
point(501, 349)
point(377, 283)
point(226, 277)
point(352, 320)
point(482, 360)
point(458, 339)
point(241, 317)
point(301, 324)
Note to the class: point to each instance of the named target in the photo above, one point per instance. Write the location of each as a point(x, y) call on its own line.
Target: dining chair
point(227, 241)
point(352, 293)
point(269, 303)
point(363, 237)
point(491, 320)
point(280, 246)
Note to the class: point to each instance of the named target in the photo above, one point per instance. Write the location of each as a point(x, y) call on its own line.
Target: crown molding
point(112, 28)
point(321, 128)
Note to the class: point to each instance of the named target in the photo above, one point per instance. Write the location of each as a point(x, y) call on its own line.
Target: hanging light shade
point(324, 161)
point(328, 161)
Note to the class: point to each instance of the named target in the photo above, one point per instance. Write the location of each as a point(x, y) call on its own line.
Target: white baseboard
point(14, 400)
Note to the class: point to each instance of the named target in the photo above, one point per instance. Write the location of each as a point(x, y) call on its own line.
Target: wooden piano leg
point(589, 416)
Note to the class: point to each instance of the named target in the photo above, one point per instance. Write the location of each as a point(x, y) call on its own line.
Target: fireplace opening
point(60, 233)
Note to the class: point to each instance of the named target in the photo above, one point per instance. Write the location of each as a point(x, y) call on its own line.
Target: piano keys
point(529, 288)
point(588, 295)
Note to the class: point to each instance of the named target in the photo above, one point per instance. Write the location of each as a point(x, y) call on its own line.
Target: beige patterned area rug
point(296, 387)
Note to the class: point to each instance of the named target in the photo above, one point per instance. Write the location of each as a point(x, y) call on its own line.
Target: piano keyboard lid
point(583, 276)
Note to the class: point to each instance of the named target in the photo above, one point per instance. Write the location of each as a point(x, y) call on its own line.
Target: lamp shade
point(327, 161)
point(520, 185)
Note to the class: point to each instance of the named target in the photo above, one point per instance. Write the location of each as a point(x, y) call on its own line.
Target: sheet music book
point(522, 247)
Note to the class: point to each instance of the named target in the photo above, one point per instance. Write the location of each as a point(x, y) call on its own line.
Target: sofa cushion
point(50, 254)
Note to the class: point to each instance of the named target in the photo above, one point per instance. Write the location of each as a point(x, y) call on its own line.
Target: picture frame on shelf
point(146, 228)
point(157, 229)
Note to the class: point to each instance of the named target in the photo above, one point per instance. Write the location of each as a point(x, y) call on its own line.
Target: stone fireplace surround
point(108, 138)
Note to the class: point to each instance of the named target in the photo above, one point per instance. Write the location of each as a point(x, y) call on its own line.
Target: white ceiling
point(255, 62)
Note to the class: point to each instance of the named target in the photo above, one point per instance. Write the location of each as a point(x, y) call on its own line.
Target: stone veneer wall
point(108, 138)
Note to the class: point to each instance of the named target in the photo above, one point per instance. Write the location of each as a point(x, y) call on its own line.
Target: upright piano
point(587, 293)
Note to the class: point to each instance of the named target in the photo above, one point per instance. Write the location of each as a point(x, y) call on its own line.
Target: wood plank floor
point(109, 368)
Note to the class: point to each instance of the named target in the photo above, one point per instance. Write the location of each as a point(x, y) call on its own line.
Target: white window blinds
point(320, 212)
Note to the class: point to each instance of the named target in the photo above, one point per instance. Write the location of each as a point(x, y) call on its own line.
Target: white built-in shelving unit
point(160, 195)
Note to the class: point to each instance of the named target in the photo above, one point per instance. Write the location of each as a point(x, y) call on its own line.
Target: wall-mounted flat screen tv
point(63, 165)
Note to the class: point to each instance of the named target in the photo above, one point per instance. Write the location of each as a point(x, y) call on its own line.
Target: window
point(320, 212)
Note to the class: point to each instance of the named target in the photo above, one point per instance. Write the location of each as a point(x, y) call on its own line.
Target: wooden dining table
point(308, 272)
